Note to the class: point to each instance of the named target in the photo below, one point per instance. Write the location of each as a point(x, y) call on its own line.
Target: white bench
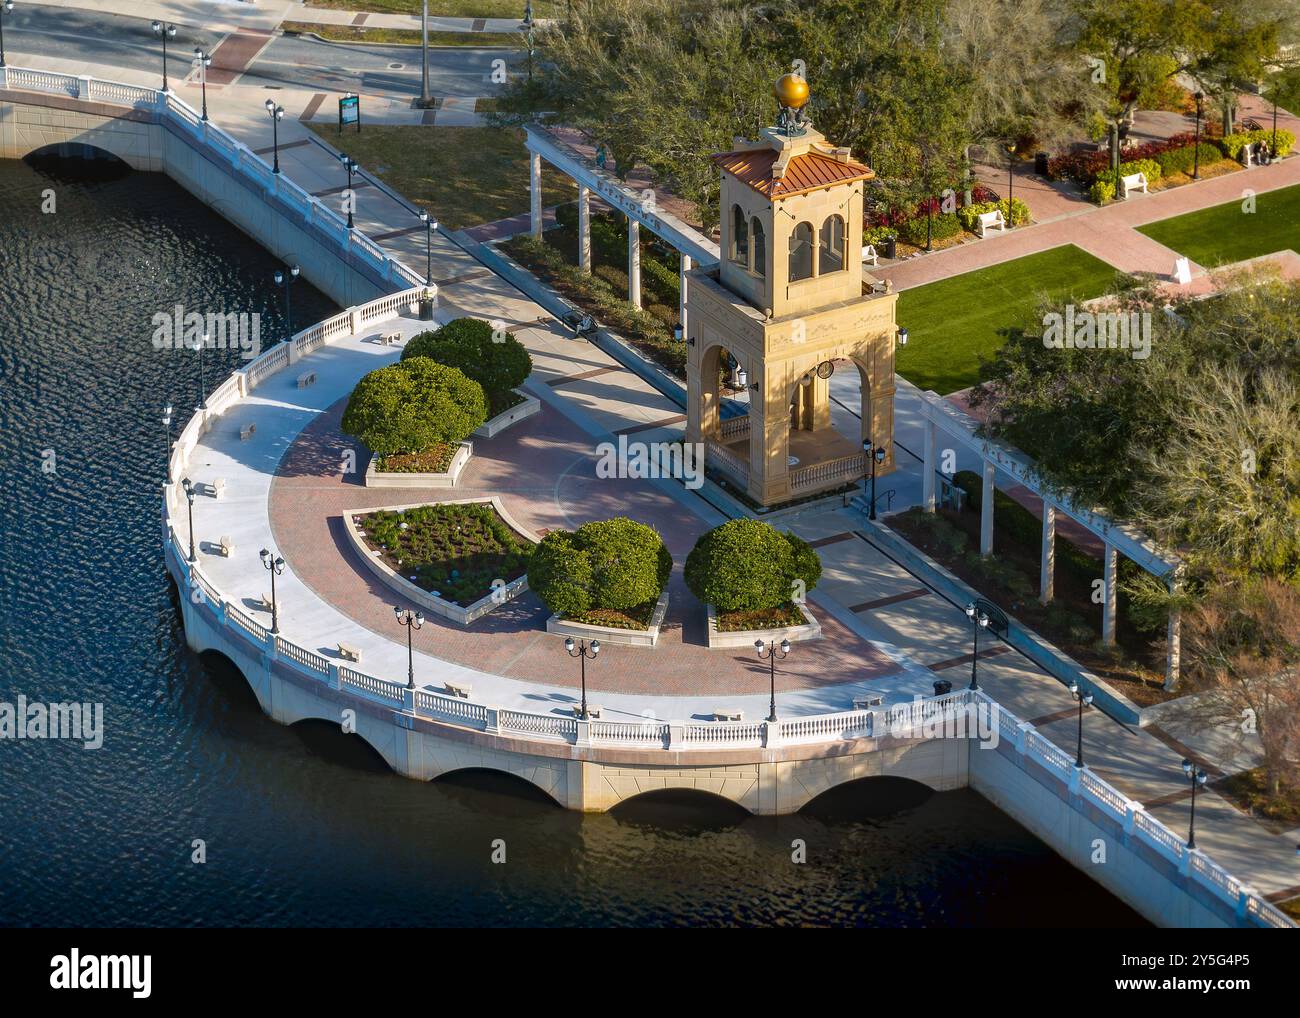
point(227, 547)
point(306, 378)
point(868, 701)
point(593, 710)
point(869, 256)
point(1133, 182)
point(728, 715)
point(461, 689)
point(390, 338)
point(246, 432)
point(218, 487)
point(265, 603)
point(991, 221)
point(349, 652)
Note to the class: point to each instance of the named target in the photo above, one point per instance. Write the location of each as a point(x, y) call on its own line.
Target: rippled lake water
point(304, 825)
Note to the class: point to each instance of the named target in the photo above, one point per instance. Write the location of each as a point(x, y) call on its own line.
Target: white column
point(681, 292)
point(1047, 568)
point(1110, 564)
point(535, 194)
point(584, 228)
point(986, 511)
point(929, 455)
point(1174, 649)
point(633, 262)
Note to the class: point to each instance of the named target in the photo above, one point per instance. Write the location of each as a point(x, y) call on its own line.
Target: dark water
point(305, 825)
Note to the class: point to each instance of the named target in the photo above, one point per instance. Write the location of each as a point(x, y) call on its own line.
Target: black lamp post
point(772, 654)
point(1197, 778)
point(1011, 167)
point(978, 621)
point(426, 100)
point(167, 425)
point(430, 224)
point(528, 29)
point(276, 113)
point(1085, 700)
point(281, 279)
point(203, 385)
point(411, 620)
point(1272, 152)
point(188, 486)
point(203, 61)
point(1196, 158)
point(7, 7)
point(276, 565)
point(875, 454)
point(351, 165)
point(164, 31)
point(582, 651)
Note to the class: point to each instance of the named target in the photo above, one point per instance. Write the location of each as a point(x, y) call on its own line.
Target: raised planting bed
point(456, 559)
point(793, 622)
point(636, 627)
point(508, 411)
point(438, 467)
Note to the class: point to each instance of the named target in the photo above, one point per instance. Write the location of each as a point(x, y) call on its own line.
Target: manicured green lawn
point(1226, 233)
point(952, 322)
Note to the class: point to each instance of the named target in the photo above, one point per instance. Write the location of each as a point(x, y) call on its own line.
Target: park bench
point(729, 715)
point(227, 547)
point(461, 689)
point(1182, 271)
point(991, 221)
point(579, 321)
point(306, 378)
point(349, 652)
point(390, 338)
point(246, 432)
point(867, 701)
point(218, 487)
point(869, 256)
point(265, 602)
point(1133, 182)
point(593, 711)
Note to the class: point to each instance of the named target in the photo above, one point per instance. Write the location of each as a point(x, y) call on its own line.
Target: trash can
point(942, 687)
point(1040, 163)
point(890, 248)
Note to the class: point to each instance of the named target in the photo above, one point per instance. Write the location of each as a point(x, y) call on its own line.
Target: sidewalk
point(330, 16)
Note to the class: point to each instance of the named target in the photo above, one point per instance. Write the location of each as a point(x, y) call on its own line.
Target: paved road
point(288, 62)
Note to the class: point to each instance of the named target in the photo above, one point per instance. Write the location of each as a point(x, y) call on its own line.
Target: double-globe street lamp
point(164, 30)
point(979, 620)
point(426, 303)
point(875, 454)
point(276, 566)
point(286, 280)
point(203, 61)
point(203, 385)
point(7, 7)
point(1085, 700)
point(583, 651)
point(772, 653)
point(167, 425)
point(188, 487)
point(276, 113)
point(1198, 778)
point(1196, 157)
point(352, 166)
point(411, 620)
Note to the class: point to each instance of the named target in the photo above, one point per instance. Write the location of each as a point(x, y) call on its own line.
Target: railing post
point(584, 733)
point(1022, 736)
point(1131, 810)
point(355, 312)
point(771, 734)
point(408, 699)
point(1244, 894)
point(493, 722)
point(1185, 860)
point(335, 676)
point(83, 86)
point(676, 734)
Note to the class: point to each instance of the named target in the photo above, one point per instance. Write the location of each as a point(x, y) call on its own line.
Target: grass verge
point(1229, 233)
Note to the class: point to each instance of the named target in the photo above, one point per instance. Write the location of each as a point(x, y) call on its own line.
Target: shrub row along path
point(886, 629)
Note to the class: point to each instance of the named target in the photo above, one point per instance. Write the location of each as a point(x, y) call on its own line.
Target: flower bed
point(632, 627)
point(411, 470)
point(793, 622)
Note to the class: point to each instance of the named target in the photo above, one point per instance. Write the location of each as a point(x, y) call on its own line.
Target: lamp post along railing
point(276, 113)
point(1197, 777)
point(275, 564)
point(1085, 700)
point(188, 486)
point(349, 198)
point(7, 7)
point(167, 427)
point(287, 280)
point(203, 383)
point(202, 61)
point(164, 30)
point(979, 620)
point(772, 653)
point(411, 620)
point(583, 651)
point(875, 454)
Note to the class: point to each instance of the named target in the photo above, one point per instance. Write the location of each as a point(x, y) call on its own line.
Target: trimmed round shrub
point(745, 565)
point(412, 406)
point(943, 225)
point(615, 564)
point(494, 359)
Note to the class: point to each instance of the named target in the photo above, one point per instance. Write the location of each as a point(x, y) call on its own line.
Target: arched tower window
point(760, 246)
point(739, 236)
point(830, 256)
point(801, 252)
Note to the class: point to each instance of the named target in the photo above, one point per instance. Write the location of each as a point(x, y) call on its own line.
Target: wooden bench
point(306, 378)
point(1133, 182)
point(349, 652)
point(991, 221)
point(869, 255)
point(227, 547)
point(218, 487)
point(461, 689)
point(728, 715)
point(246, 432)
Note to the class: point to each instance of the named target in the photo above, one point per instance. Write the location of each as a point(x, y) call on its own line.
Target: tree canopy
point(412, 406)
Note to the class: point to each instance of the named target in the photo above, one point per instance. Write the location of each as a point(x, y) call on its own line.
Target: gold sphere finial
point(791, 91)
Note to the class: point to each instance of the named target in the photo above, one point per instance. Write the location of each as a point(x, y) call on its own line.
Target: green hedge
point(745, 565)
point(970, 214)
point(1148, 166)
point(412, 406)
point(1232, 144)
point(491, 357)
point(615, 564)
point(1182, 160)
point(943, 226)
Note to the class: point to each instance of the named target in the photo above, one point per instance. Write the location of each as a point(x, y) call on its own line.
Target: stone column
point(681, 292)
point(633, 262)
point(930, 455)
point(1110, 564)
point(986, 510)
point(1047, 569)
point(584, 228)
point(535, 194)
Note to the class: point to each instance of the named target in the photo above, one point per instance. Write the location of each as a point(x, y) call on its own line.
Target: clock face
point(825, 369)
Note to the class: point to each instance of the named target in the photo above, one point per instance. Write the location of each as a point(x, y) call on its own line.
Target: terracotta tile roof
point(803, 173)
